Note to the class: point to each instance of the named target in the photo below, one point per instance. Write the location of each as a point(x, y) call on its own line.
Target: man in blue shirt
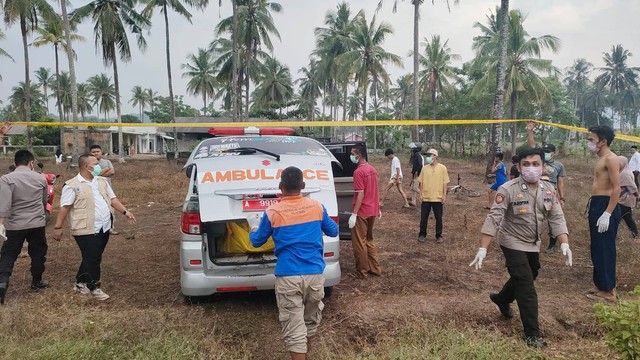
point(296, 224)
point(501, 176)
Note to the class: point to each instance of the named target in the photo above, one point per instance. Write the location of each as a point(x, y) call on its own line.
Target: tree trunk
point(416, 65)
point(234, 63)
point(514, 126)
point(27, 84)
point(247, 83)
point(434, 98)
point(345, 90)
point(364, 101)
point(72, 79)
point(116, 82)
point(498, 103)
point(171, 99)
point(58, 101)
point(204, 109)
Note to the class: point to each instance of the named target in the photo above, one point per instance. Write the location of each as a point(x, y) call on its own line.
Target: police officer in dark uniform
point(519, 211)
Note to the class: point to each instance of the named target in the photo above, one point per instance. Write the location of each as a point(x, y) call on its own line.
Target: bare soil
point(420, 281)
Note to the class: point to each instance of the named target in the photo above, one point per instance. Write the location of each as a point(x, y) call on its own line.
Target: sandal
point(600, 297)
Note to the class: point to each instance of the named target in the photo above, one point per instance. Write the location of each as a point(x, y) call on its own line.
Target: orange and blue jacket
point(296, 225)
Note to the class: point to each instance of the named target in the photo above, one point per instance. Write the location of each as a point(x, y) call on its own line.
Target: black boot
point(505, 308)
point(39, 285)
point(3, 291)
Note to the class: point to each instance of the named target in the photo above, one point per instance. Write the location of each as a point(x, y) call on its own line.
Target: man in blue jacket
point(296, 224)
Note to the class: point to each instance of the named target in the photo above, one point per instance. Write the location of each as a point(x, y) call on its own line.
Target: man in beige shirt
point(520, 208)
point(22, 217)
point(433, 193)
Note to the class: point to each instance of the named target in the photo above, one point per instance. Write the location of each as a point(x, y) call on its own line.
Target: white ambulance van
point(232, 177)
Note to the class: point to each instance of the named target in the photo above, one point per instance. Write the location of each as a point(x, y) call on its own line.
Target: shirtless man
point(604, 213)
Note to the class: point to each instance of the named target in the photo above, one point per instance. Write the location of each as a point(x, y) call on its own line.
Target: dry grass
point(429, 303)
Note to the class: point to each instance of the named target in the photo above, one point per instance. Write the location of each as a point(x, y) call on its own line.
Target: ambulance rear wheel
point(328, 291)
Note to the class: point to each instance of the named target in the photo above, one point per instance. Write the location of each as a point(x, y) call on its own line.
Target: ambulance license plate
point(258, 204)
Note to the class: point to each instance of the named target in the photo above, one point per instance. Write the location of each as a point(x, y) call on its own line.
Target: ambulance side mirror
point(189, 170)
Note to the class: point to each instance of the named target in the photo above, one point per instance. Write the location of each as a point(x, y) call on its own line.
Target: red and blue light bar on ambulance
point(230, 131)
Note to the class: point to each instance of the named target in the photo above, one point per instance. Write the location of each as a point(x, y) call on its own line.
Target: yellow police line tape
point(319, 123)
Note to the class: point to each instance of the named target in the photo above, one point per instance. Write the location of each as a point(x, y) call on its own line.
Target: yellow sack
point(237, 240)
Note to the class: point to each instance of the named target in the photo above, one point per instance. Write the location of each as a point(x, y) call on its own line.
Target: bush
point(622, 323)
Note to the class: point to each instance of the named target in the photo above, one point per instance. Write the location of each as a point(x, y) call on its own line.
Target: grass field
point(428, 304)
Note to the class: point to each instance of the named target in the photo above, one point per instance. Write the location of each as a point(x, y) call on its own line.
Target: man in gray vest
point(23, 195)
point(90, 203)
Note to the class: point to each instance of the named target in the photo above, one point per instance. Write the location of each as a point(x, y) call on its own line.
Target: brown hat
point(433, 152)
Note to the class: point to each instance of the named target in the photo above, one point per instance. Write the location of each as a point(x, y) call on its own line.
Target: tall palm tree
point(45, 80)
point(366, 55)
point(309, 89)
point(152, 96)
point(139, 98)
point(84, 100)
point(438, 72)
point(523, 64)
point(416, 51)
point(179, 8)
point(63, 95)
point(112, 19)
point(201, 71)
point(52, 33)
point(26, 12)
point(275, 85)
point(597, 99)
point(577, 79)
point(403, 93)
point(331, 42)
point(255, 27)
point(618, 77)
point(103, 93)
point(19, 96)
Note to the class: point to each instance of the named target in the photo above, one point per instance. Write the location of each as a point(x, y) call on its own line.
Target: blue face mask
point(96, 170)
point(354, 159)
point(547, 156)
point(428, 160)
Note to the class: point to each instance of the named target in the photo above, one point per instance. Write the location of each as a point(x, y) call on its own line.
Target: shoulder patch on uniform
point(499, 199)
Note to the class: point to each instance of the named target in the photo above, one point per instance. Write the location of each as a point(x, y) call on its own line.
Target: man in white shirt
point(396, 178)
point(89, 201)
point(634, 163)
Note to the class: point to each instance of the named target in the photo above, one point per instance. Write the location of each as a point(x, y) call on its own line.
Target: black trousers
point(627, 216)
point(635, 177)
point(13, 245)
point(426, 208)
point(91, 248)
point(523, 268)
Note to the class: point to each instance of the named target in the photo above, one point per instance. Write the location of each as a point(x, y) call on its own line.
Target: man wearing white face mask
point(520, 208)
point(604, 213)
point(90, 203)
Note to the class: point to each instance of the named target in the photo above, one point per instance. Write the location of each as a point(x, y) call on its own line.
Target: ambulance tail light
point(191, 223)
point(336, 219)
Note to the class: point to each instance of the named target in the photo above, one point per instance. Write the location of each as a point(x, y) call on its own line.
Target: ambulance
point(232, 177)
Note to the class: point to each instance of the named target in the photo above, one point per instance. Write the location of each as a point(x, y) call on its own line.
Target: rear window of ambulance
point(282, 145)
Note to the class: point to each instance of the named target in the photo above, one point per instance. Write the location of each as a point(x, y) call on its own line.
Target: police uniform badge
point(499, 199)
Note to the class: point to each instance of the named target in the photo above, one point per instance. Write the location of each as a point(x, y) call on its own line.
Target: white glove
point(567, 252)
point(482, 253)
point(3, 233)
point(254, 220)
point(603, 222)
point(352, 221)
point(379, 214)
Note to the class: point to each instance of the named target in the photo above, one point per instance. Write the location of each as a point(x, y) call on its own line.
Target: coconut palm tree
point(62, 93)
point(403, 93)
point(577, 79)
point(179, 8)
point(618, 77)
point(438, 72)
point(366, 55)
point(275, 85)
point(19, 96)
point(112, 19)
point(45, 80)
point(201, 71)
point(255, 27)
point(309, 89)
point(103, 93)
point(331, 43)
point(84, 100)
point(416, 51)
point(26, 12)
point(523, 67)
point(152, 96)
point(52, 33)
point(139, 98)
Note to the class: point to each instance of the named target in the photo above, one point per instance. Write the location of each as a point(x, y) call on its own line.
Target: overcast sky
point(587, 28)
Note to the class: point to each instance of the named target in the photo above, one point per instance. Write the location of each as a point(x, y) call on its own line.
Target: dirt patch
point(430, 280)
